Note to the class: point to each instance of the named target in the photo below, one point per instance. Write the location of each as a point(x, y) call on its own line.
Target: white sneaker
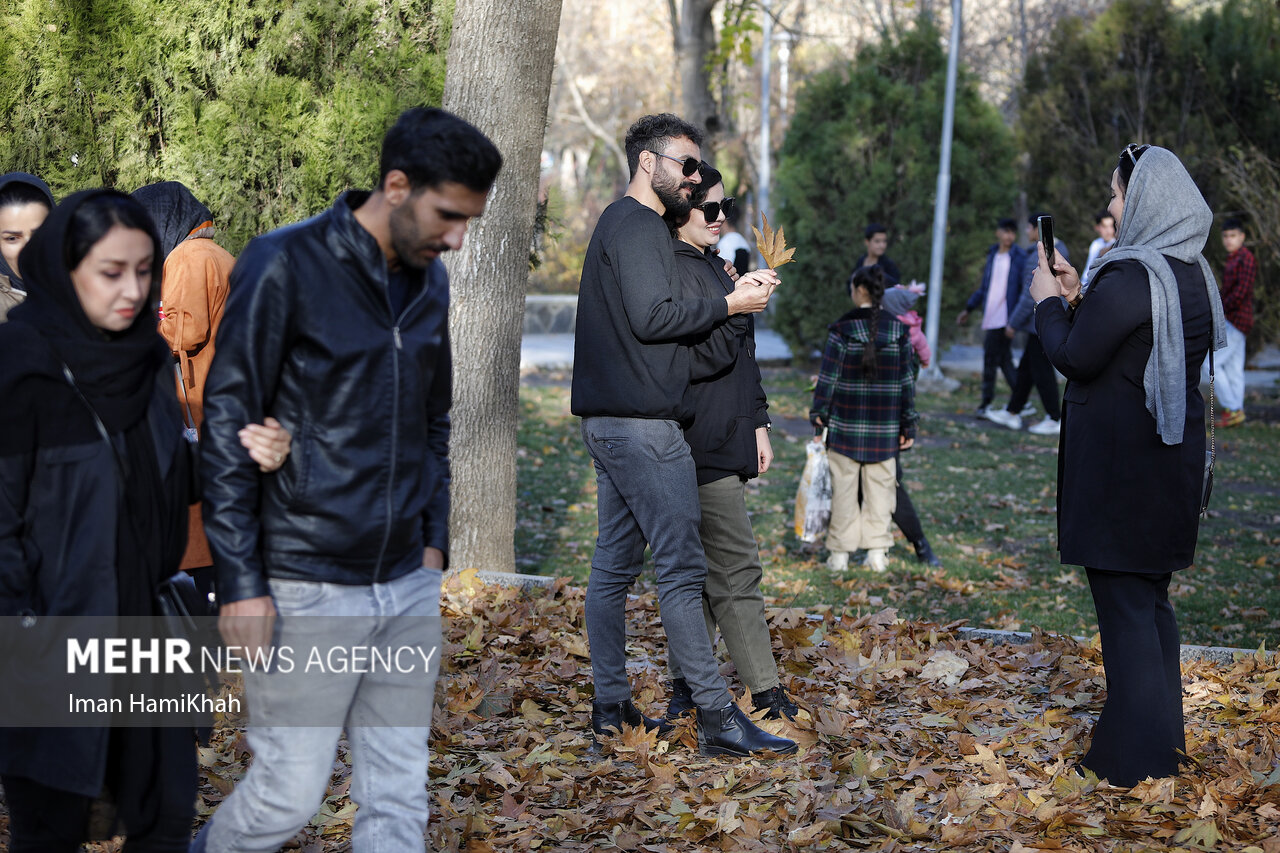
point(877, 560)
point(1048, 426)
point(1004, 418)
point(838, 561)
point(1028, 411)
point(981, 411)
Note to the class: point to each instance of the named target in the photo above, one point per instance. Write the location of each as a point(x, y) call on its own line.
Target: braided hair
point(872, 280)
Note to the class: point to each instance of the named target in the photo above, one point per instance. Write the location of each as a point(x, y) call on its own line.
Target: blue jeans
point(647, 492)
point(387, 716)
point(1228, 370)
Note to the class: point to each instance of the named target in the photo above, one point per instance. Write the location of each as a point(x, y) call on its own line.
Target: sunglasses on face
point(712, 209)
point(688, 165)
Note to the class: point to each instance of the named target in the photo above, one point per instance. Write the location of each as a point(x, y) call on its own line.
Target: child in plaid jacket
point(865, 399)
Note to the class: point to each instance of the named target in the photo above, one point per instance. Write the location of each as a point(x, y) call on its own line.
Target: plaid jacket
point(864, 417)
point(1238, 279)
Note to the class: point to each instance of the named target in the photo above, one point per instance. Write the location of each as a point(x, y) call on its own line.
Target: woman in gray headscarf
point(1131, 458)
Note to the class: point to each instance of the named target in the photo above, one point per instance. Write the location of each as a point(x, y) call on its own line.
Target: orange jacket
point(193, 293)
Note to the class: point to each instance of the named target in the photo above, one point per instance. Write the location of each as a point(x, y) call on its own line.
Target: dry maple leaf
point(773, 247)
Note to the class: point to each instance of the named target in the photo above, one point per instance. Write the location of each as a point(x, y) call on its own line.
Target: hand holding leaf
point(773, 247)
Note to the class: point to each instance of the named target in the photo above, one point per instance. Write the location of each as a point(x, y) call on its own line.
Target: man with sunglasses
point(630, 382)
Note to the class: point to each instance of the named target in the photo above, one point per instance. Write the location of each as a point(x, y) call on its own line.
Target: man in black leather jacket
point(338, 327)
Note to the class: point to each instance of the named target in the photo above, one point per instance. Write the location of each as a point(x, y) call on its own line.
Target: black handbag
point(184, 611)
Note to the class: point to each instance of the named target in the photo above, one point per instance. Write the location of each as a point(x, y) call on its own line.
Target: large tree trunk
point(499, 78)
point(695, 41)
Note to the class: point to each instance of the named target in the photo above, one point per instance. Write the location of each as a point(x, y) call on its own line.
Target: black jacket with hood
point(309, 338)
point(725, 394)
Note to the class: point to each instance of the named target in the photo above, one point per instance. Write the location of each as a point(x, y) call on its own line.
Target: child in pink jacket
point(898, 301)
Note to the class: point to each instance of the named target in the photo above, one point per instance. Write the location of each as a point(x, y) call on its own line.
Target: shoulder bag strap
point(1213, 434)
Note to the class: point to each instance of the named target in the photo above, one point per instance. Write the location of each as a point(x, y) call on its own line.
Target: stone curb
point(1213, 654)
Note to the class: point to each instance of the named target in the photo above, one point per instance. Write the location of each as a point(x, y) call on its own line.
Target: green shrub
point(267, 110)
point(863, 147)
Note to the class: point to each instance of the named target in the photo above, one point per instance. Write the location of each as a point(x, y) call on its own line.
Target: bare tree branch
point(580, 106)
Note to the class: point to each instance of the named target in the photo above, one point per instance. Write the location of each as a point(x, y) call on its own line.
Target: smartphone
point(1044, 224)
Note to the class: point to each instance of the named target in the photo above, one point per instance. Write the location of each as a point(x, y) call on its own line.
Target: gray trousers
point(647, 492)
point(296, 717)
point(732, 600)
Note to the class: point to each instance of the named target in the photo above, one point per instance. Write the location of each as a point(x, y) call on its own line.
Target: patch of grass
point(986, 497)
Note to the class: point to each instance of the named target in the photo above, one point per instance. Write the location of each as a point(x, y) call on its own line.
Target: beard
point(405, 241)
point(668, 190)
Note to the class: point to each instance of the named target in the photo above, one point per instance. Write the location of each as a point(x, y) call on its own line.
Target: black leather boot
point(925, 554)
point(777, 701)
point(728, 731)
point(607, 719)
point(681, 700)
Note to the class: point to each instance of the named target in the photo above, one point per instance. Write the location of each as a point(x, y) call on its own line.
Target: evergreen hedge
point(1204, 84)
point(863, 147)
point(267, 109)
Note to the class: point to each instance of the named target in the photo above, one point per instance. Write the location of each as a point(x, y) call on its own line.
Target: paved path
point(555, 352)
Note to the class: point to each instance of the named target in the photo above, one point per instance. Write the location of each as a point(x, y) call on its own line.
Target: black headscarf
point(115, 371)
point(118, 374)
point(32, 181)
point(175, 210)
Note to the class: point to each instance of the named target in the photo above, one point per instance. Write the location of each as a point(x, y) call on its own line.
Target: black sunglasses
point(712, 209)
point(1134, 150)
point(688, 165)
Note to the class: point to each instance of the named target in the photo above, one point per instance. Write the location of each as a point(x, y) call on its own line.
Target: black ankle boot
point(777, 701)
point(925, 554)
point(607, 719)
point(681, 700)
point(728, 731)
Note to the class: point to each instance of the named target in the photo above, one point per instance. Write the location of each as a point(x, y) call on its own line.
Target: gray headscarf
point(1165, 214)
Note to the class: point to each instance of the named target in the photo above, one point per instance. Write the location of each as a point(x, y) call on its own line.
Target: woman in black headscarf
point(25, 201)
point(95, 480)
point(1131, 456)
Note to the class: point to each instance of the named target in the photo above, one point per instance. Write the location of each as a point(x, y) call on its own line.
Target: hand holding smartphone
point(1044, 224)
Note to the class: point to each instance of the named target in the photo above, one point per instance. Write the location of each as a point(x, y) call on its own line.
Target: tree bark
point(695, 41)
point(500, 60)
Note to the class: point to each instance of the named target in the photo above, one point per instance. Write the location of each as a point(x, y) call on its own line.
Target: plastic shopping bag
point(813, 498)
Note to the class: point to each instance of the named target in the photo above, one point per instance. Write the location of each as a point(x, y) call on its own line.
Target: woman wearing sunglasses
point(1131, 458)
point(729, 439)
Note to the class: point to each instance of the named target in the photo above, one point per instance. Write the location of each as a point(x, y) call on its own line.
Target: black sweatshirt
point(627, 359)
point(728, 401)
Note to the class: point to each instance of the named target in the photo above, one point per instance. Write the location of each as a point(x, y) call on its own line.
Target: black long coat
point(1127, 502)
point(59, 505)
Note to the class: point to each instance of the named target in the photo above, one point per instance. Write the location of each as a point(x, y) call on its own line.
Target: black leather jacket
point(308, 337)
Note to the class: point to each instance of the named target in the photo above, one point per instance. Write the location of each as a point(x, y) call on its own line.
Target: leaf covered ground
point(913, 739)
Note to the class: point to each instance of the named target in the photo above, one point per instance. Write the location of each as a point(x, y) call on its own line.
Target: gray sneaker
point(1005, 419)
point(1048, 426)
